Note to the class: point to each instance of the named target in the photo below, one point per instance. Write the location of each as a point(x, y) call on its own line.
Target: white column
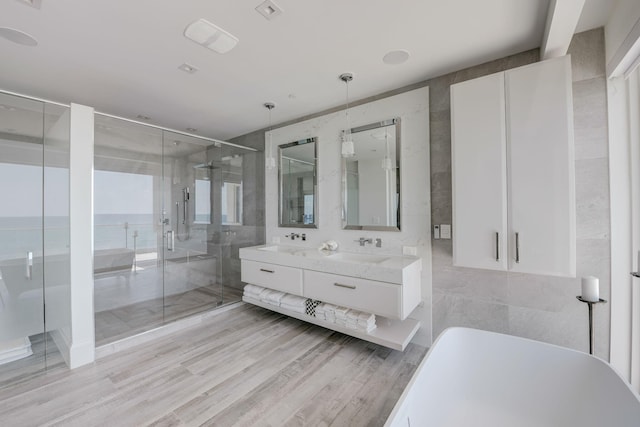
point(82, 349)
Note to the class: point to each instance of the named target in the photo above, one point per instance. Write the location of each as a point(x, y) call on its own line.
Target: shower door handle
point(170, 240)
point(29, 266)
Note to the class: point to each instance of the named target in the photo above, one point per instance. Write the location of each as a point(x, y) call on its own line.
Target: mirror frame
point(395, 121)
point(313, 140)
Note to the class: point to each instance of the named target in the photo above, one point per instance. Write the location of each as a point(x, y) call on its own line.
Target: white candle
point(591, 289)
point(638, 264)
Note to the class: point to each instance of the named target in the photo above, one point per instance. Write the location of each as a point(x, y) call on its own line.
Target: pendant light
point(270, 161)
point(348, 149)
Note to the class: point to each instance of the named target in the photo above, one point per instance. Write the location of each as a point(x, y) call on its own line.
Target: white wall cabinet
point(513, 170)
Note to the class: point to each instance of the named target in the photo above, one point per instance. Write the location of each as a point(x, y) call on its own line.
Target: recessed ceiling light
point(141, 117)
point(192, 130)
point(187, 68)
point(269, 9)
point(396, 57)
point(18, 37)
point(33, 3)
point(210, 36)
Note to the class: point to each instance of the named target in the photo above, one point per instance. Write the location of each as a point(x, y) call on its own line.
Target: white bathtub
point(478, 378)
point(105, 260)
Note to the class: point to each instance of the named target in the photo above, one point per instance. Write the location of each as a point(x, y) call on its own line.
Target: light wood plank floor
point(245, 367)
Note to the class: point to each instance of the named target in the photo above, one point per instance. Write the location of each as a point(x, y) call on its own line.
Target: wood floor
point(246, 367)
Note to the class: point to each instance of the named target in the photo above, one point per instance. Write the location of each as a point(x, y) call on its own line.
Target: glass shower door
point(191, 260)
point(129, 233)
point(22, 338)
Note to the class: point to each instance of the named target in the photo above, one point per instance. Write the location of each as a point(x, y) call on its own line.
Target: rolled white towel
point(253, 289)
point(368, 329)
point(341, 312)
point(330, 308)
point(294, 308)
point(274, 297)
point(293, 300)
point(366, 317)
point(353, 315)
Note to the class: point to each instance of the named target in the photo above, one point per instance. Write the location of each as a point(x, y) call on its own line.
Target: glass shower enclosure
point(167, 209)
point(34, 236)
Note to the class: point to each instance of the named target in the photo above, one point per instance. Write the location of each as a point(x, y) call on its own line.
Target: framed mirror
point(298, 183)
point(371, 178)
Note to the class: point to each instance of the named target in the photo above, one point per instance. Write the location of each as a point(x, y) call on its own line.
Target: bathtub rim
point(448, 331)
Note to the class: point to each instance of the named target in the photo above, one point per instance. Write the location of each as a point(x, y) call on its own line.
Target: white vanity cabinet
point(361, 294)
point(513, 170)
point(390, 287)
point(276, 277)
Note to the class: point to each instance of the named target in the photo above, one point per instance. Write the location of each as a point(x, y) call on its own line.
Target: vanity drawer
point(366, 295)
point(277, 277)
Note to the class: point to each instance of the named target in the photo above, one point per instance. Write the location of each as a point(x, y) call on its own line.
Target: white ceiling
point(122, 56)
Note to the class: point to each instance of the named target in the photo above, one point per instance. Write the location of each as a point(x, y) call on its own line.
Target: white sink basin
point(362, 258)
point(282, 249)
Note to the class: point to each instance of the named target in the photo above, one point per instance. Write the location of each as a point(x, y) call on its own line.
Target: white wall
point(413, 109)
point(622, 33)
point(81, 236)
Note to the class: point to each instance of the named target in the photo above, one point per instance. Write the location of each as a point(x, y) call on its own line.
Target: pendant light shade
point(348, 148)
point(269, 159)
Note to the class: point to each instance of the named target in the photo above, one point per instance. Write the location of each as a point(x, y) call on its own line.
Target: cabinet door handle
point(344, 286)
point(517, 247)
point(267, 271)
point(497, 247)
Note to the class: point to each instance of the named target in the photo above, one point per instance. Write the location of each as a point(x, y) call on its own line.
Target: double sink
point(334, 256)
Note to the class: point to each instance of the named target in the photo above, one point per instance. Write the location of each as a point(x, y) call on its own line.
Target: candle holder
point(590, 304)
point(635, 273)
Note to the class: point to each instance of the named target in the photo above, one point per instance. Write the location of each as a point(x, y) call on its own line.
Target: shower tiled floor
point(130, 303)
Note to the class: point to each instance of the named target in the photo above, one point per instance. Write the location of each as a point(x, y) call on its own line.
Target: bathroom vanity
point(385, 285)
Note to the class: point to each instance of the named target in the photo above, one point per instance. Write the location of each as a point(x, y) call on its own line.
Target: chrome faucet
point(363, 240)
point(293, 236)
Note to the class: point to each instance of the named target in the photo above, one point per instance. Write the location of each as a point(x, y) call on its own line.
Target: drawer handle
point(267, 271)
point(344, 286)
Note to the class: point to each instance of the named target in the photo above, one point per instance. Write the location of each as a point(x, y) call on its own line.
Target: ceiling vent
point(33, 3)
point(210, 36)
point(269, 10)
